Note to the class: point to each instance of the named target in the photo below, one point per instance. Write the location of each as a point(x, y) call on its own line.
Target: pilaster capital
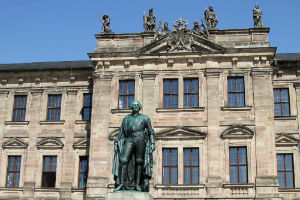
point(212, 73)
point(148, 76)
point(37, 92)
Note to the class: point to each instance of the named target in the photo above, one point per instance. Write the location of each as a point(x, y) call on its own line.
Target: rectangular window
point(13, 171)
point(191, 166)
point(49, 171)
point(238, 165)
point(282, 102)
point(170, 166)
point(285, 170)
point(236, 92)
point(83, 171)
point(191, 93)
point(19, 108)
point(87, 107)
point(126, 93)
point(170, 93)
point(54, 107)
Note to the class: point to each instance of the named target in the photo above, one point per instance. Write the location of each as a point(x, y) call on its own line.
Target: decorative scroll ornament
point(180, 37)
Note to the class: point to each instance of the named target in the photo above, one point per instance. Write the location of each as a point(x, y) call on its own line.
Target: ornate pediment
point(81, 143)
point(14, 143)
point(286, 139)
point(180, 132)
point(237, 132)
point(50, 143)
point(181, 39)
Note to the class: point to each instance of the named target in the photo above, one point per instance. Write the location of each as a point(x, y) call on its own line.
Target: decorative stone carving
point(257, 17)
point(81, 144)
point(149, 21)
point(237, 131)
point(50, 143)
point(285, 139)
point(164, 30)
point(180, 132)
point(210, 18)
point(14, 143)
point(200, 29)
point(105, 24)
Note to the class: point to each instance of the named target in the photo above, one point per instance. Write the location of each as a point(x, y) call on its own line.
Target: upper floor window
point(170, 166)
point(191, 93)
point(13, 171)
point(54, 107)
point(281, 101)
point(170, 93)
point(19, 108)
point(83, 171)
point(285, 170)
point(126, 93)
point(49, 171)
point(238, 165)
point(191, 166)
point(236, 92)
point(87, 106)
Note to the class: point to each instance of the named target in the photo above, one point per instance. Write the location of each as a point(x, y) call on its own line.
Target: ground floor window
point(49, 171)
point(170, 166)
point(285, 170)
point(238, 165)
point(13, 171)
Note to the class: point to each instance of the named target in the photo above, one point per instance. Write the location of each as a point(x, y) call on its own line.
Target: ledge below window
point(82, 121)
point(198, 109)
point(120, 111)
point(11, 188)
point(244, 108)
point(245, 185)
point(285, 117)
point(177, 186)
point(60, 122)
point(289, 189)
point(16, 122)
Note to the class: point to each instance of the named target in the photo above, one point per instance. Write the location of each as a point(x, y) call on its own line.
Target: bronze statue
point(133, 147)
point(257, 17)
point(210, 18)
point(149, 21)
point(105, 24)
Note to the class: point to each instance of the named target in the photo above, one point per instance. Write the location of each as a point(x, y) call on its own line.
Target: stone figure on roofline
point(200, 29)
point(149, 21)
point(210, 18)
point(257, 17)
point(164, 30)
point(105, 24)
point(133, 147)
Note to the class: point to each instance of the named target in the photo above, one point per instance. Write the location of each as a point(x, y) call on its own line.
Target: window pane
point(166, 153)
point(10, 179)
point(195, 175)
point(18, 163)
point(174, 101)
point(233, 155)
point(57, 114)
point(83, 164)
point(17, 179)
point(240, 99)
point(122, 102)
point(243, 174)
point(285, 109)
point(242, 156)
point(276, 95)
point(284, 95)
point(233, 174)
point(173, 156)
point(51, 101)
point(53, 167)
point(87, 100)
point(277, 109)
point(280, 162)
point(289, 179)
point(187, 100)
point(231, 84)
point(48, 179)
point(123, 87)
point(130, 100)
point(289, 162)
point(187, 156)
point(131, 87)
point(58, 101)
point(167, 101)
point(195, 100)
point(11, 166)
point(174, 172)
point(281, 179)
point(167, 86)
point(187, 87)
point(195, 156)
point(174, 86)
point(82, 180)
point(240, 85)
point(231, 99)
point(187, 175)
point(46, 163)
point(195, 85)
point(50, 114)
point(166, 175)
point(86, 114)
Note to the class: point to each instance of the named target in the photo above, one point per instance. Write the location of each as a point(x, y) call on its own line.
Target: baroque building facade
point(224, 107)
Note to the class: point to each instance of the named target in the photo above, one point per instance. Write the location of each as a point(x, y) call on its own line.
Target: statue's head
point(211, 8)
point(135, 106)
point(150, 10)
point(257, 6)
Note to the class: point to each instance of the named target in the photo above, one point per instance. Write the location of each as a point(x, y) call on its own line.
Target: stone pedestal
point(126, 195)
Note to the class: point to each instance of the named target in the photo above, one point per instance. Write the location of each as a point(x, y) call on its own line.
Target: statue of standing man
point(149, 21)
point(133, 147)
point(210, 18)
point(105, 24)
point(257, 17)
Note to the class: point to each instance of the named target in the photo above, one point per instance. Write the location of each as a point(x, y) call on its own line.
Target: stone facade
point(213, 127)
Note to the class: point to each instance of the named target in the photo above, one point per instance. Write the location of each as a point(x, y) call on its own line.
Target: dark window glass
point(236, 92)
point(281, 102)
point(191, 166)
point(285, 170)
point(87, 107)
point(126, 93)
point(170, 166)
point(191, 93)
point(19, 108)
point(83, 171)
point(170, 93)
point(54, 107)
point(49, 171)
point(13, 171)
point(238, 165)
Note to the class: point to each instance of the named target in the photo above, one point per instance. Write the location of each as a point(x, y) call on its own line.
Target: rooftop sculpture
point(257, 17)
point(210, 18)
point(105, 24)
point(149, 21)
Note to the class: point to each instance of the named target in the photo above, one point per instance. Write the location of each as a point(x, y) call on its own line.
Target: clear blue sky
point(60, 30)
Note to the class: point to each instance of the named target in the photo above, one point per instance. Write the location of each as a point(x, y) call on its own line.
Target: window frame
point(170, 94)
point(238, 165)
point(190, 93)
point(80, 172)
point(20, 109)
point(191, 166)
point(43, 172)
point(54, 108)
point(235, 91)
point(14, 171)
point(170, 166)
point(285, 171)
point(282, 102)
point(126, 95)
point(87, 107)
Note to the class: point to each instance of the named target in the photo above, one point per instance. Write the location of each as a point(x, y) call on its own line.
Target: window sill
point(16, 122)
point(11, 188)
point(198, 109)
point(285, 117)
point(289, 189)
point(244, 108)
point(52, 189)
point(120, 111)
point(78, 190)
point(242, 185)
point(60, 122)
point(164, 186)
point(82, 121)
